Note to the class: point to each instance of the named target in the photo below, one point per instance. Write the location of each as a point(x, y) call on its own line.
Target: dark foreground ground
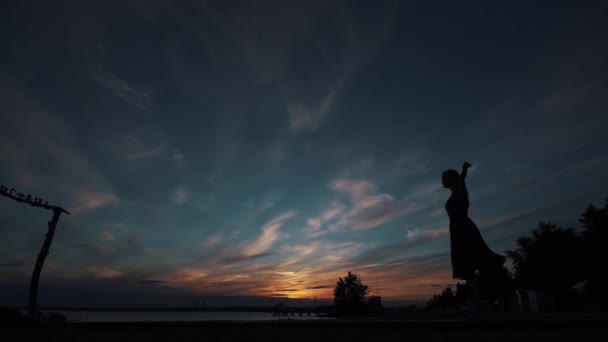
point(480, 329)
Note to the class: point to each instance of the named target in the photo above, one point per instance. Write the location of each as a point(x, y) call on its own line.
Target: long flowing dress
point(469, 251)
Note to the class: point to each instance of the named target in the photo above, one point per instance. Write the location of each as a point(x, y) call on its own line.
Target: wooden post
point(44, 251)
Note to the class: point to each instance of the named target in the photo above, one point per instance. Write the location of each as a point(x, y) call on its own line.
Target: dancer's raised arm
point(465, 168)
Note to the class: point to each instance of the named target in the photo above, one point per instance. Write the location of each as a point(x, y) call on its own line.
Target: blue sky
point(247, 149)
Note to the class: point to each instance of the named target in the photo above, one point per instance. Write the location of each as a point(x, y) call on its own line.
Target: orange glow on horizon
point(307, 284)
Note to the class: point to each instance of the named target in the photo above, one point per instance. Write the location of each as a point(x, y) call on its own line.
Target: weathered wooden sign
point(44, 251)
point(12, 193)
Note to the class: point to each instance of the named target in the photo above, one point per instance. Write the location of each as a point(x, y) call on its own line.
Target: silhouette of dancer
point(469, 252)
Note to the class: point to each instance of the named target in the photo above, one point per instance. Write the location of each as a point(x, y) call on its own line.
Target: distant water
point(172, 316)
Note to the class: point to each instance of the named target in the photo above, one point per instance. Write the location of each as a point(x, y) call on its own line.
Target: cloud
point(213, 240)
point(118, 87)
point(103, 272)
point(177, 156)
point(238, 258)
point(373, 211)
point(382, 254)
point(268, 47)
point(106, 236)
point(357, 49)
point(287, 290)
point(180, 195)
point(424, 191)
point(151, 282)
point(355, 188)
point(414, 234)
point(303, 118)
point(333, 212)
point(369, 208)
point(85, 201)
point(314, 224)
point(301, 249)
point(249, 203)
point(270, 233)
point(171, 277)
point(145, 142)
point(186, 275)
point(319, 287)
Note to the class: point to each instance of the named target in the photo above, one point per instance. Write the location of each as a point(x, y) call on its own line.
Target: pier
point(282, 311)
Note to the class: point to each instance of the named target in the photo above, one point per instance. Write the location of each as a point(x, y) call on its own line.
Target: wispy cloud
point(333, 212)
point(186, 275)
point(306, 116)
point(106, 236)
point(424, 192)
point(103, 272)
point(85, 201)
point(319, 287)
point(231, 259)
point(381, 255)
point(151, 282)
point(143, 143)
point(355, 188)
point(369, 208)
point(180, 195)
point(414, 234)
point(271, 57)
point(213, 240)
point(303, 118)
point(270, 233)
point(111, 82)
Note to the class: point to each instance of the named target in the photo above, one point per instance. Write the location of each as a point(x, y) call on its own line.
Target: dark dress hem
point(469, 252)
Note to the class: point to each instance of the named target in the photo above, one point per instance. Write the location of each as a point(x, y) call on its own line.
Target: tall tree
point(595, 235)
point(349, 294)
point(551, 259)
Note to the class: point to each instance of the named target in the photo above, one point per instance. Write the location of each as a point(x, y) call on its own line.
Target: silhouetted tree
point(595, 236)
point(349, 294)
point(551, 260)
point(447, 299)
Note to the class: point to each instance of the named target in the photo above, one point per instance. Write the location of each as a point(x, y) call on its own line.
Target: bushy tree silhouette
point(550, 260)
point(447, 299)
point(595, 236)
point(349, 294)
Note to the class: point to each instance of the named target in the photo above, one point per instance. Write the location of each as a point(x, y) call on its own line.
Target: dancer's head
point(450, 178)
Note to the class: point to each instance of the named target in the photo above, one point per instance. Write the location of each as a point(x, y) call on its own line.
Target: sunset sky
point(265, 148)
